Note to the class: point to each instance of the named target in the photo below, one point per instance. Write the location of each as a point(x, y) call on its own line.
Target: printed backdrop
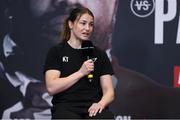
point(141, 38)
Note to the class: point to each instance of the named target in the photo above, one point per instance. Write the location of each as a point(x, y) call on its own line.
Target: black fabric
point(82, 93)
point(106, 65)
point(70, 111)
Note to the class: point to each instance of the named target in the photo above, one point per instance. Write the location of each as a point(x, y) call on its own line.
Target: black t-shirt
point(68, 60)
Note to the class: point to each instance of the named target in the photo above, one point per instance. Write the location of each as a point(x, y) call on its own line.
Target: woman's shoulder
point(58, 46)
point(56, 49)
point(99, 50)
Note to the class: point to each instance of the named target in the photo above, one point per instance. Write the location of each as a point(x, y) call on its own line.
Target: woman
point(66, 70)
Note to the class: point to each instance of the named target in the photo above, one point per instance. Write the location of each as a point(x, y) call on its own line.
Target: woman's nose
point(88, 27)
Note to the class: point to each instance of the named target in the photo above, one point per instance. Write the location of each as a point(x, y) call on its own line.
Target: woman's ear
point(70, 24)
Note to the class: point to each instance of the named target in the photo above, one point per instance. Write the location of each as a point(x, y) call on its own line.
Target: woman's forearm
point(107, 98)
point(60, 84)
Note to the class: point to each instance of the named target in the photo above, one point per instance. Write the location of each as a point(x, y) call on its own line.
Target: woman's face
point(81, 28)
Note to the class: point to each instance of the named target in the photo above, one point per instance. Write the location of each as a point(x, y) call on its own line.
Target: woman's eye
point(83, 23)
point(92, 24)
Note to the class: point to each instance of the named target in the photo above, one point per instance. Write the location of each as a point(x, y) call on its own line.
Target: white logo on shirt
point(65, 59)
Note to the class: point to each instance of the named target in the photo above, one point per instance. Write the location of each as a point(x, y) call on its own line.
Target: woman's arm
point(108, 90)
point(55, 83)
point(107, 98)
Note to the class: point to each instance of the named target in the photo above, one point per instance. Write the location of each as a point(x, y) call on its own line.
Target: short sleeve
point(51, 61)
point(106, 65)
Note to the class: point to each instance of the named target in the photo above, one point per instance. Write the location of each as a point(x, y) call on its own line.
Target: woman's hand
point(95, 108)
point(87, 67)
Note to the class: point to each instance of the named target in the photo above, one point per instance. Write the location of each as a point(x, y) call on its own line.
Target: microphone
point(87, 50)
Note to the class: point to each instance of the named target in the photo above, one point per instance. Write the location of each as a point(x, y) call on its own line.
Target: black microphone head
point(87, 48)
point(87, 44)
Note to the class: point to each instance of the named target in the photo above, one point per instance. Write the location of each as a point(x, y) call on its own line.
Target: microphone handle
point(90, 75)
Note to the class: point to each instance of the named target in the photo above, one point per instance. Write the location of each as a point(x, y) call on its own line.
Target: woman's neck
point(74, 43)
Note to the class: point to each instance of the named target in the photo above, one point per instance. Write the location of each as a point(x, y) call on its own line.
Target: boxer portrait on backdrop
point(30, 27)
